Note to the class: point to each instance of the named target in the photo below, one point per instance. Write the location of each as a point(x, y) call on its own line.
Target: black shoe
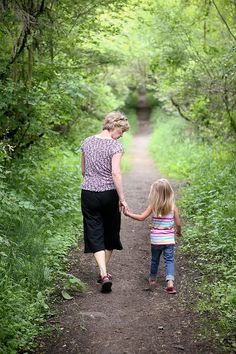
point(106, 284)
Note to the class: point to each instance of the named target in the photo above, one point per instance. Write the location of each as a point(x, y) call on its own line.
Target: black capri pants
point(101, 220)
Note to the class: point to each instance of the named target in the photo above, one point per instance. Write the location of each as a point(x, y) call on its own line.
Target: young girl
point(165, 224)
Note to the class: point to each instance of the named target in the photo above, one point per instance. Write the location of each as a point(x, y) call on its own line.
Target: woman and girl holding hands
point(102, 200)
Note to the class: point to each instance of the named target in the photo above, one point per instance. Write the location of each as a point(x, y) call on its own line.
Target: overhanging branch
point(179, 109)
point(223, 19)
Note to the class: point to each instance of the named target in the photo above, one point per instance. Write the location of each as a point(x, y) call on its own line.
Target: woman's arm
point(82, 164)
point(139, 217)
point(117, 177)
point(177, 221)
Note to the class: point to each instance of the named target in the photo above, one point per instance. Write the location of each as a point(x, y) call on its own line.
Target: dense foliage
point(195, 65)
point(208, 206)
point(50, 69)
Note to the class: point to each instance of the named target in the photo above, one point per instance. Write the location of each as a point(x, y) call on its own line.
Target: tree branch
point(179, 109)
point(223, 19)
point(226, 102)
point(27, 27)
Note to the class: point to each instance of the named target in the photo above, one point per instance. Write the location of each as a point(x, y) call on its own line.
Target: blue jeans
point(168, 253)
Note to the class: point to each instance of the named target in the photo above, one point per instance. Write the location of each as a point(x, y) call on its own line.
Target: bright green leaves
point(72, 285)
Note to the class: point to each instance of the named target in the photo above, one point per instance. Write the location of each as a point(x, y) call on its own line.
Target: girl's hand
point(126, 212)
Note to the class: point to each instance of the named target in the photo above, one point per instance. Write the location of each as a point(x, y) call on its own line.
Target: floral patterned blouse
point(98, 154)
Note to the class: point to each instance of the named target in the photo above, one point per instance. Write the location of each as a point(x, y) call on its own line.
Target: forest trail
point(131, 319)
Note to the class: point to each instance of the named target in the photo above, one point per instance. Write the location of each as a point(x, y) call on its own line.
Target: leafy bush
point(40, 221)
point(132, 99)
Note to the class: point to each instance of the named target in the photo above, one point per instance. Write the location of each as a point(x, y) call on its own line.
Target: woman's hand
point(123, 206)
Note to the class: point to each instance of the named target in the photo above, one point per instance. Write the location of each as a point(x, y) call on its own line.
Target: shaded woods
point(63, 65)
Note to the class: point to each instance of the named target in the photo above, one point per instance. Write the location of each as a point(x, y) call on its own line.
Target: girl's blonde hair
point(161, 197)
point(116, 120)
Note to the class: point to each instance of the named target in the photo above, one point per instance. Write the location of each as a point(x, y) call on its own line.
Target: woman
point(102, 194)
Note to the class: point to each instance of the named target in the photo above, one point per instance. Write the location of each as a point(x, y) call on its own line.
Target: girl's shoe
point(99, 280)
point(170, 290)
point(106, 284)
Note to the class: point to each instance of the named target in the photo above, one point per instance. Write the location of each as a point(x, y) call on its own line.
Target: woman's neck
point(104, 134)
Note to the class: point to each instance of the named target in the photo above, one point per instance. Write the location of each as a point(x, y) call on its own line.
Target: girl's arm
point(177, 222)
point(117, 178)
point(139, 217)
point(82, 164)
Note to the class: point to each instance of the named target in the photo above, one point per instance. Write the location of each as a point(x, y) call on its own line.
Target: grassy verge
point(208, 206)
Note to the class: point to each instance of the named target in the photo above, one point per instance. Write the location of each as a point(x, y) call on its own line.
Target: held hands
point(126, 212)
point(123, 206)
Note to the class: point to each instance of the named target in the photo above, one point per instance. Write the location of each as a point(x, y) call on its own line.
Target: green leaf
point(66, 296)
point(74, 283)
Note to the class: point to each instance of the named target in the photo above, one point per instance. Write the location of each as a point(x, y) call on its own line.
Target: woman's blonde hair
point(116, 120)
point(161, 197)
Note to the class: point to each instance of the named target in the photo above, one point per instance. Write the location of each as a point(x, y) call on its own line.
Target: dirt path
point(131, 319)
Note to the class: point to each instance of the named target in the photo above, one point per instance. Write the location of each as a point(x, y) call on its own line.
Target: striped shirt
point(163, 230)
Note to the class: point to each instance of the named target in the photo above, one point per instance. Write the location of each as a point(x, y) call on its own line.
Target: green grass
point(175, 151)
